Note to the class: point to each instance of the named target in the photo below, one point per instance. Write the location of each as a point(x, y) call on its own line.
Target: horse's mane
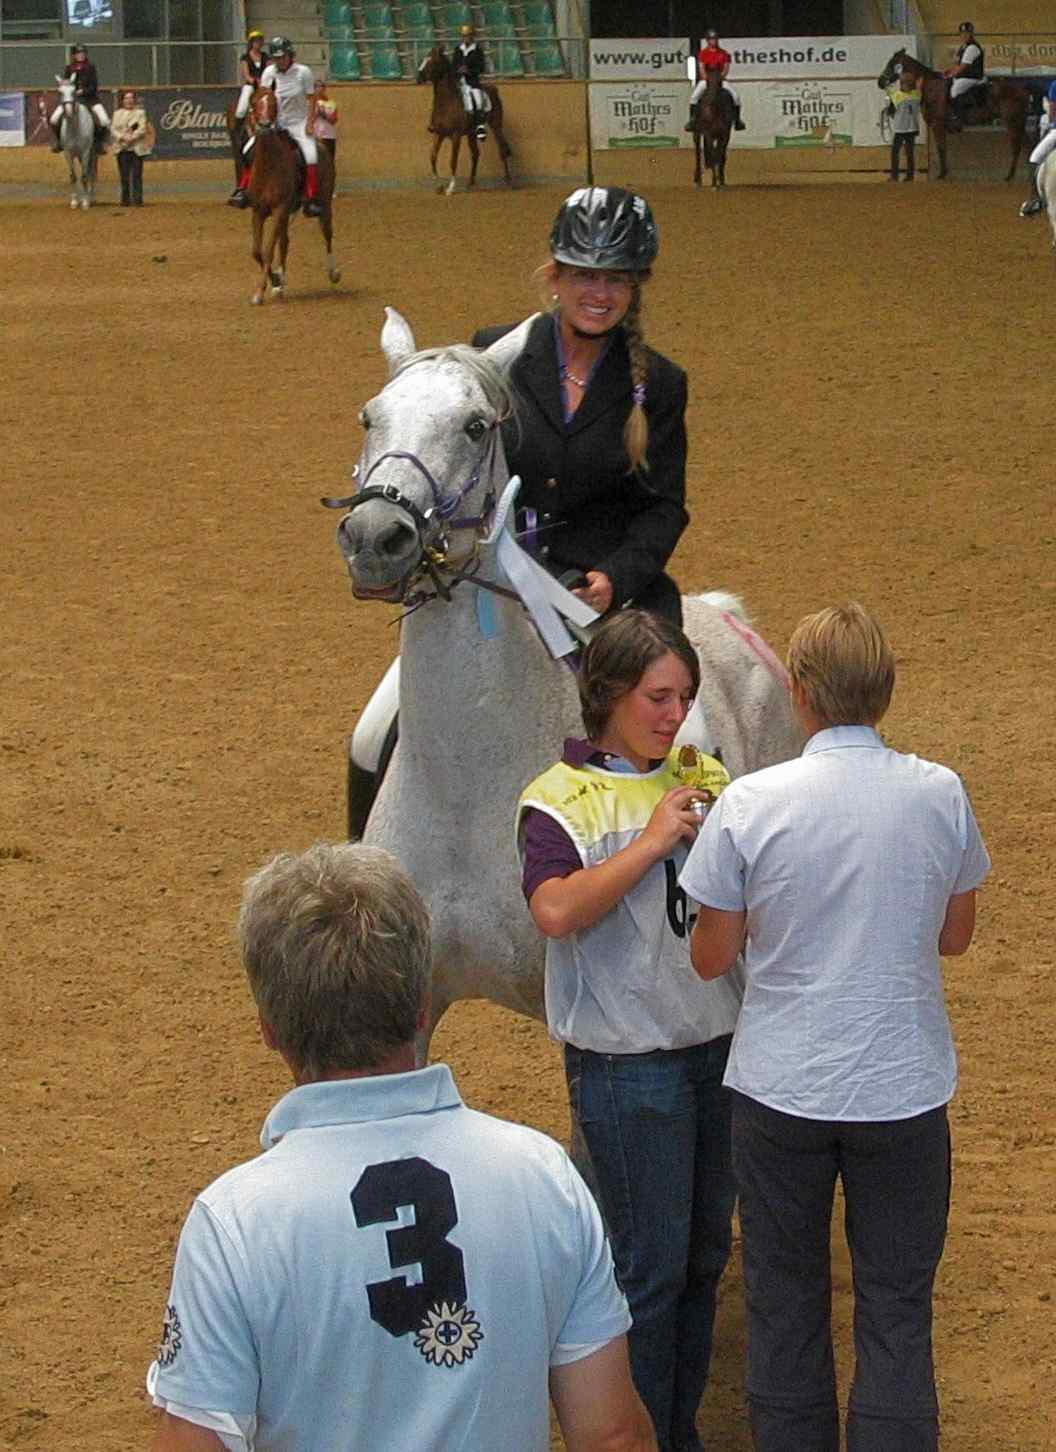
point(491, 378)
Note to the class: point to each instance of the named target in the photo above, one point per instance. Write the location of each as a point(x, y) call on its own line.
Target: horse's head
point(432, 461)
point(436, 66)
point(67, 90)
point(891, 72)
point(264, 108)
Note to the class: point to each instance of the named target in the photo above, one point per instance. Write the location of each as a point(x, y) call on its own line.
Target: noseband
point(433, 527)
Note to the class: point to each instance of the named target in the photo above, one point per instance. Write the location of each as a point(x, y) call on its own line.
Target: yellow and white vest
point(626, 985)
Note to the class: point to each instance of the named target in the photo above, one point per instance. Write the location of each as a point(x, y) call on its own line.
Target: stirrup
point(312, 207)
point(1031, 207)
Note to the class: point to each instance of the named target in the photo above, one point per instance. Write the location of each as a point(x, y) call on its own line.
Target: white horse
point(483, 706)
point(77, 134)
point(1046, 184)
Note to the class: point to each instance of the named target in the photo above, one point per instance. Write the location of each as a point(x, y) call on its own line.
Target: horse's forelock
point(491, 379)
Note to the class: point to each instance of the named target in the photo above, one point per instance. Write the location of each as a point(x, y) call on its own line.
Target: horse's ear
point(505, 351)
point(397, 340)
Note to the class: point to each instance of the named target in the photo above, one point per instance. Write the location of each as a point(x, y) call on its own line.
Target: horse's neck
point(473, 692)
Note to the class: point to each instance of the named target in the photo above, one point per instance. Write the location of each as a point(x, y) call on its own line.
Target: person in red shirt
point(712, 57)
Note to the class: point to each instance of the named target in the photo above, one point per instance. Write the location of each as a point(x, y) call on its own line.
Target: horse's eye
point(476, 428)
point(364, 418)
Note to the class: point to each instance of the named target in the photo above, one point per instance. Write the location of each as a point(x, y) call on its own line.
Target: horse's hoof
point(74, 203)
point(335, 277)
point(256, 300)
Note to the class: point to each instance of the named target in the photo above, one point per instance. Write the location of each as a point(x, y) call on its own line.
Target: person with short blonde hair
point(355, 1285)
point(844, 876)
point(843, 664)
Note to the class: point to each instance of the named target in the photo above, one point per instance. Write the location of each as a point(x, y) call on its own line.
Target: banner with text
point(628, 60)
point(638, 113)
point(12, 118)
point(191, 122)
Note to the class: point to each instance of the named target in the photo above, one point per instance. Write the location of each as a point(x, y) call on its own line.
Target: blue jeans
point(896, 1186)
point(658, 1130)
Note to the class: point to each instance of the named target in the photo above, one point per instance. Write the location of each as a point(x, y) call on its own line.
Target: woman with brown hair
point(599, 437)
point(133, 139)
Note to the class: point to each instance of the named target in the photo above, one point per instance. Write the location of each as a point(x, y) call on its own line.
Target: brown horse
point(274, 194)
point(450, 121)
point(712, 125)
point(998, 100)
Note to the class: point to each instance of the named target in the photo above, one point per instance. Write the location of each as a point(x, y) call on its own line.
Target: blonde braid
point(636, 429)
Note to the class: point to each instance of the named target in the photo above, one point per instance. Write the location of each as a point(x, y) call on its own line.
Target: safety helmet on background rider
point(255, 35)
point(78, 49)
point(965, 25)
point(279, 45)
point(607, 227)
point(467, 32)
point(711, 35)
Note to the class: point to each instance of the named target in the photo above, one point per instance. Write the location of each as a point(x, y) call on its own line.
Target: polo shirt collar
point(356, 1101)
point(834, 738)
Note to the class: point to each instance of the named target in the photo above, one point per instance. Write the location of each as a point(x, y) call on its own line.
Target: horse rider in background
point(86, 78)
point(1046, 144)
point(251, 66)
point(468, 61)
point(966, 73)
point(294, 87)
point(712, 57)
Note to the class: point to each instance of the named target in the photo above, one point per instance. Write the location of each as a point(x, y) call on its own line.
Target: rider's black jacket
point(575, 475)
point(469, 63)
point(87, 79)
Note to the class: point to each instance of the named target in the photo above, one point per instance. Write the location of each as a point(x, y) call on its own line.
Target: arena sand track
point(182, 660)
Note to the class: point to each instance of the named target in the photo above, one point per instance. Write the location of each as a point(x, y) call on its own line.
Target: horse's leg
point(696, 146)
point(437, 139)
point(75, 199)
point(258, 255)
point(474, 157)
point(280, 238)
point(456, 146)
point(1016, 127)
point(326, 216)
point(505, 150)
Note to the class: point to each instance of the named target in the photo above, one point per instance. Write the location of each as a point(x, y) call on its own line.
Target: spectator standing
point(325, 128)
point(132, 136)
point(850, 870)
point(395, 1270)
point(905, 123)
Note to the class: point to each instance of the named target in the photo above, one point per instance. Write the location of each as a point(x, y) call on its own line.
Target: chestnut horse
point(239, 130)
point(450, 120)
point(998, 100)
point(274, 195)
point(711, 129)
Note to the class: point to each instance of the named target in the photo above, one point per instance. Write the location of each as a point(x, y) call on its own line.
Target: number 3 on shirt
point(379, 1192)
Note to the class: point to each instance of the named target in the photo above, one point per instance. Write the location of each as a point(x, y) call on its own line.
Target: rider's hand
point(597, 592)
point(673, 820)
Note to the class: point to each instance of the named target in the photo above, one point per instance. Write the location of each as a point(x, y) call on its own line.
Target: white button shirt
point(844, 861)
point(292, 89)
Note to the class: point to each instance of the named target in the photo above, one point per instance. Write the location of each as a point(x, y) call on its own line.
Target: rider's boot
point(1034, 204)
point(56, 138)
point(691, 124)
point(480, 130)
point(738, 124)
point(954, 120)
point(238, 197)
point(312, 205)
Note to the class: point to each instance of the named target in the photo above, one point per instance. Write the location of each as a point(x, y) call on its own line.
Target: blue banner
point(12, 118)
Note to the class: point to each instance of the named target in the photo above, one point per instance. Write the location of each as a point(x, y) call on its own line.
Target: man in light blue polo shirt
point(844, 875)
point(395, 1271)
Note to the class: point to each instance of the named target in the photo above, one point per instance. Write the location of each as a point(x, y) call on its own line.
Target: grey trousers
point(896, 1185)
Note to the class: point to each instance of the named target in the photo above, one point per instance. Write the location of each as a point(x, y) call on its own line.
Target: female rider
point(294, 87)
point(251, 65)
point(599, 439)
point(83, 73)
point(602, 836)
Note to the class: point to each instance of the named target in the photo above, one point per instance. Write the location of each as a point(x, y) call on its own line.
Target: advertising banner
point(190, 122)
point(805, 57)
point(629, 60)
point(12, 118)
point(1005, 55)
point(826, 114)
point(638, 113)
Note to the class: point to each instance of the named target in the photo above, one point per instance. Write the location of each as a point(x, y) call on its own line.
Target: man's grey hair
point(337, 948)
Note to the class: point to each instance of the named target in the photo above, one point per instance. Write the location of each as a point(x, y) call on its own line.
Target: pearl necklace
point(570, 377)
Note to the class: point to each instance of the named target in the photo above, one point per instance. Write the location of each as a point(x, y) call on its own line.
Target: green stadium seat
point(450, 17)
point(418, 22)
point(497, 18)
point(385, 62)
point(378, 20)
point(546, 57)
point(538, 18)
point(337, 14)
point(344, 63)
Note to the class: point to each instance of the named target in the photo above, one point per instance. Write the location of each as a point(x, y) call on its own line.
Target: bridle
point(433, 527)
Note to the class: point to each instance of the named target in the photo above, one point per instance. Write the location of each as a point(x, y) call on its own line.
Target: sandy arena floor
point(182, 660)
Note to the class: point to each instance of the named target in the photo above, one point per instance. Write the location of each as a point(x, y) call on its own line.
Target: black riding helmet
point(605, 227)
point(966, 25)
point(279, 45)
